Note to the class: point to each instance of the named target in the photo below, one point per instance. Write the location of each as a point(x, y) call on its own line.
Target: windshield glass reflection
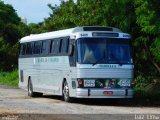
point(103, 51)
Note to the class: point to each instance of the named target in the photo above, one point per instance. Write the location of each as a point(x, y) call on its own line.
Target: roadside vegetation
point(9, 78)
point(140, 18)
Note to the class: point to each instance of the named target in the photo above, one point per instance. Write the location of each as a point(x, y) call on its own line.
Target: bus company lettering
point(108, 66)
point(44, 60)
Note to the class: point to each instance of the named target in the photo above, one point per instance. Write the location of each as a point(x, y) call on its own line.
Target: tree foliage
point(140, 18)
point(148, 19)
point(11, 30)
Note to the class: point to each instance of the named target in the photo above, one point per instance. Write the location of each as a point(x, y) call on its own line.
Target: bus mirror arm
point(70, 52)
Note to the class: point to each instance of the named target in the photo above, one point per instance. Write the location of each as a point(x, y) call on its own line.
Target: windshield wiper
point(104, 56)
point(118, 61)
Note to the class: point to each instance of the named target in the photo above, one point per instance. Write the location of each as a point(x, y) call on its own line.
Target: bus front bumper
point(103, 93)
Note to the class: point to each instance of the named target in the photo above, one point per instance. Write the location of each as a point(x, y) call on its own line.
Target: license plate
point(124, 83)
point(89, 83)
point(108, 92)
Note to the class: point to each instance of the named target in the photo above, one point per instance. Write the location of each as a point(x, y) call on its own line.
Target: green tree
point(61, 17)
point(140, 18)
point(11, 30)
point(148, 19)
point(36, 28)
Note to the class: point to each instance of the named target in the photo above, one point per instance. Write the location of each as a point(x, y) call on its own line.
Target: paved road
point(16, 101)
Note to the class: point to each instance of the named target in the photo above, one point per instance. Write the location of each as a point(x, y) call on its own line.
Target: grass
point(9, 78)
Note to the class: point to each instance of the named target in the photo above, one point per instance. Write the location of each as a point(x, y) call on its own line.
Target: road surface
point(14, 101)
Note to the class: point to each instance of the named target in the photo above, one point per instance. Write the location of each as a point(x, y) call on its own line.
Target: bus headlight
point(80, 82)
point(133, 83)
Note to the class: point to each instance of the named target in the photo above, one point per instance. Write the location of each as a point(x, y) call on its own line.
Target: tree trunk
point(151, 58)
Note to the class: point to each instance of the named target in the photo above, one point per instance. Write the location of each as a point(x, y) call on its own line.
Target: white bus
point(81, 62)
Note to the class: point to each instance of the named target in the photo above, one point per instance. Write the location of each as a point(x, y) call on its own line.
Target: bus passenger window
point(72, 58)
point(37, 47)
point(55, 47)
point(64, 48)
point(48, 46)
point(45, 47)
point(29, 49)
point(23, 49)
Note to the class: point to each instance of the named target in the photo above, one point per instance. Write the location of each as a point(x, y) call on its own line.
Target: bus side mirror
point(70, 52)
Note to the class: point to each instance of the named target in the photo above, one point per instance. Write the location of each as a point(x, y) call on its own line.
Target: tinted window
point(51, 46)
point(23, 49)
point(103, 51)
point(37, 47)
point(60, 45)
point(64, 46)
point(29, 49)
point(54, 47)
point(72, 58)
point(45, 46)
point(119, 52)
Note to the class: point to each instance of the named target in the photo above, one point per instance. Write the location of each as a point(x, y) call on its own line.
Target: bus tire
point(65, 92)
point(31, 93)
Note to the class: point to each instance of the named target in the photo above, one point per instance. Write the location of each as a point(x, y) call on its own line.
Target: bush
point(147, 87)
point(9, 78)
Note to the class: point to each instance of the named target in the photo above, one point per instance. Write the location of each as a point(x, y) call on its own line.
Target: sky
point(34, 10)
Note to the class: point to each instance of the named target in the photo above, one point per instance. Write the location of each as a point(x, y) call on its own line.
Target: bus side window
point(48, 46)
point(23, 49)
point(37, 47)
point(72, 58)
point(60, 46)
point(55, 47)
point(29, 49)
point(34, 48)
point(45, 47)
point(64, 46)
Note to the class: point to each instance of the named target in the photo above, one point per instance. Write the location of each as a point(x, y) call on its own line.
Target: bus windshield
point(104, 51)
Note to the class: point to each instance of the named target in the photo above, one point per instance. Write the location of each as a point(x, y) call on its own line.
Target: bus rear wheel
point(66, 96)
point(30, 90)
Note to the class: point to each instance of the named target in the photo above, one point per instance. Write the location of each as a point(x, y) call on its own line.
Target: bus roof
point(66, 32)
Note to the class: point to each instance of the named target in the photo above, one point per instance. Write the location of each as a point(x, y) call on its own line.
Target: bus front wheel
point(66, 97)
